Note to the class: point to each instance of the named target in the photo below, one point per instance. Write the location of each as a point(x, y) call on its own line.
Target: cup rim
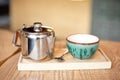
point(97, 41)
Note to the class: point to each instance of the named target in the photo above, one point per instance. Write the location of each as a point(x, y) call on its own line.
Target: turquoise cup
point(82, 46)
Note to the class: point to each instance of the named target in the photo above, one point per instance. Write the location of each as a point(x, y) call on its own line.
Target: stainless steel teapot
point(36, 41)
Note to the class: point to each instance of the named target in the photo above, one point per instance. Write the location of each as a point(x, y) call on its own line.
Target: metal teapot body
point(36, 42)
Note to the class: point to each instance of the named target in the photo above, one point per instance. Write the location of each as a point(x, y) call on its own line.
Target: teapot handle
point(15, 38)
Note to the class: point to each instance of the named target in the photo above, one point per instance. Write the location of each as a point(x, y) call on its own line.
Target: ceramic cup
point(82, 46)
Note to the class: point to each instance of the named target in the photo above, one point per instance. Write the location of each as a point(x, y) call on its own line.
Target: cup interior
point(83, 38)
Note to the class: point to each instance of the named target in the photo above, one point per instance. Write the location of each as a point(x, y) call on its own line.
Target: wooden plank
point(9, 71)
point(98, 61)
point(6, 48)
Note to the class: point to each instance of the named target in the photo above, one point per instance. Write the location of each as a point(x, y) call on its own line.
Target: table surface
point(9, 56)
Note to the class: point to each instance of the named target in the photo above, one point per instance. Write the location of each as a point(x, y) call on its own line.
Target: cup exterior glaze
point(82, 51)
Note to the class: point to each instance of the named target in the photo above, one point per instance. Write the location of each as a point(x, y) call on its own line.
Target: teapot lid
point(37, 28)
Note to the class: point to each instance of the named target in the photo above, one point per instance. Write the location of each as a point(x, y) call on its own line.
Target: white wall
point(65, 16)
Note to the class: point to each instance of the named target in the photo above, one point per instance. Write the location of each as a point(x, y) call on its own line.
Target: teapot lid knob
point(37, 26)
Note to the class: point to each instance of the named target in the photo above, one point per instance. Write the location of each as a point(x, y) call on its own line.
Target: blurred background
point(98, 17)
point(4, 13)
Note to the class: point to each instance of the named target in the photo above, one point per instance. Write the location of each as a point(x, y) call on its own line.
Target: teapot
point(36, 41)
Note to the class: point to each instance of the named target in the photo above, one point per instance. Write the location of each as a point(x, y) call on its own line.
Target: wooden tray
point(98, 61)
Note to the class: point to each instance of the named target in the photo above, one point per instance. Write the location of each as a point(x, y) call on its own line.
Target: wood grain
point(6, 48)
point(8, 70)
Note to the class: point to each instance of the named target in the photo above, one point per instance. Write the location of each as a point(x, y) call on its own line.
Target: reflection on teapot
point(36, 41)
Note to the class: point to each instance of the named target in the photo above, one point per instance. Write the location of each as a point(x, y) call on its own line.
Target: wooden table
point(9, 58)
